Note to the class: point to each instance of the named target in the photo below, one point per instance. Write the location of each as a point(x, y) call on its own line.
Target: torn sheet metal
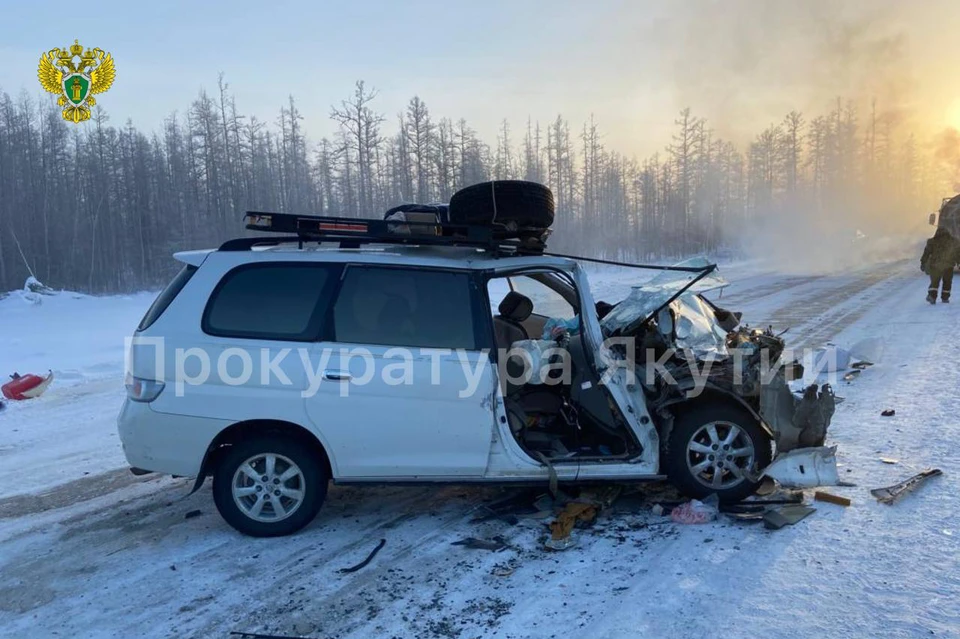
point(646, 299)
point(805, 468)
point(688, 323)
point(797, 422)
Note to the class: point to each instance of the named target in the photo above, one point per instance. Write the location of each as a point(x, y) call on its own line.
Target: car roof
point(451, 257)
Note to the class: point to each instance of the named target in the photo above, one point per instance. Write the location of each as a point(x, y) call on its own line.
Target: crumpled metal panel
point(805, 468)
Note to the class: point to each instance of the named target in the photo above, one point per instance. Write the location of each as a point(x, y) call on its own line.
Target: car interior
point(566, 415)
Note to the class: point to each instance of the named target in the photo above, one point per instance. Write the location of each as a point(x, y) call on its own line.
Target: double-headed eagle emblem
point(76, 76)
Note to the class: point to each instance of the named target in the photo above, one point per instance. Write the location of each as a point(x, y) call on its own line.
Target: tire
point(237, 494)
point(691, 431)
point(525, 204)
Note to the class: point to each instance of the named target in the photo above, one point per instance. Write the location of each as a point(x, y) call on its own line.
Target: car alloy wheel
point(268, 487)
point(718, 454)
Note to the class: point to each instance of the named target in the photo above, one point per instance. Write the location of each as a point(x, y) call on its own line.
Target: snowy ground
point(87, 550)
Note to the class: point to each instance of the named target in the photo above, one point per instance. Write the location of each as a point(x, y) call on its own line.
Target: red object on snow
point(25, 386)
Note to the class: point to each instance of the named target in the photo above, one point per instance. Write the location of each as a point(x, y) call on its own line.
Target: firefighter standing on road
point(940, 255)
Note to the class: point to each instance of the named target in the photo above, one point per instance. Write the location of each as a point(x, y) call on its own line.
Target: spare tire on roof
point(503, 202)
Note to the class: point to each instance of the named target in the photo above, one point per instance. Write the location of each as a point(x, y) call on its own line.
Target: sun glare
point(953, 114)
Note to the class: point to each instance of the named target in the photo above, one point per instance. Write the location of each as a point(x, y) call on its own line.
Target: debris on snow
point(695, 511)
point(888, 413)
point(831, 498)
point(787, 515)
point(805, 468)
point(27, 386)
point(192, 514)
point(373, 553)
point(562, 526)
point(34, 290)
point(892, 494)
point(889, 460)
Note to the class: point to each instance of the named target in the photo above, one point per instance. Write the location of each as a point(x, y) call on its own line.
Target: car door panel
point(404, 411)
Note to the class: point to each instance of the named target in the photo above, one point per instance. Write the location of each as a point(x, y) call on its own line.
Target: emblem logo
point(76, 76)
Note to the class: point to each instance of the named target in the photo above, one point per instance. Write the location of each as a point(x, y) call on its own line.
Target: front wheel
point(711, 449)
point(269, 486)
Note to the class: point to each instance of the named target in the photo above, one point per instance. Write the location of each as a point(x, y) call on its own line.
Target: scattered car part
point(889, 413)
point(830, 498)
point(373, 553)
point(777, 518)
point(889, 460)
point(798, 423)
point(805, 468)
point(27, 386)
point(892, 494)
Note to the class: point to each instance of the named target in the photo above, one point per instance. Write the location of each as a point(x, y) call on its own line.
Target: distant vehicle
point(422, 279)
point(948, 216)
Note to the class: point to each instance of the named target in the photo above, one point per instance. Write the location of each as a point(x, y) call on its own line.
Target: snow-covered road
point(88, 550)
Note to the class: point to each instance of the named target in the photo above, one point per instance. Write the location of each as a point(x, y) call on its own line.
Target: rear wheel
point(712, 448)
point(269, 486)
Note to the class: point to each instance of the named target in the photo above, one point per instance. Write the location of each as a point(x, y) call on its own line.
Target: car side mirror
point(933, 219)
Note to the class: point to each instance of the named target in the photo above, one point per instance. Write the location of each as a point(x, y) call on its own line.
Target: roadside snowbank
point(79, 337)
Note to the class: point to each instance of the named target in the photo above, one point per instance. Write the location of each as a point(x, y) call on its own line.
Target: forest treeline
point(100, 208)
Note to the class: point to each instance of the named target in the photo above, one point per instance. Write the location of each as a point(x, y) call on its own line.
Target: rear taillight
point(142, 390)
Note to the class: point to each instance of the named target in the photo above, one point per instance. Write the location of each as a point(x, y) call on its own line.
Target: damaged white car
point(444, 344)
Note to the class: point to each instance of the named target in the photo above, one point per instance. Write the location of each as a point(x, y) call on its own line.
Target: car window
point(546, 301)
point(167, 296)
point(404, 307)
point(270, 301)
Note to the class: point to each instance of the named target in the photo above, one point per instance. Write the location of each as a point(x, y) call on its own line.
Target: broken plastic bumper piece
point(805, 468)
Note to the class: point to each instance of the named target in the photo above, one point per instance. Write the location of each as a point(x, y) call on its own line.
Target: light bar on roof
point(259, 221)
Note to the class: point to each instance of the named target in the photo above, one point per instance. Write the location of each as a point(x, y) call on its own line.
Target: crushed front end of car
point(688, 350)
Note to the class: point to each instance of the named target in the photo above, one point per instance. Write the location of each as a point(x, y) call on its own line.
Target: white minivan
point(360, 351)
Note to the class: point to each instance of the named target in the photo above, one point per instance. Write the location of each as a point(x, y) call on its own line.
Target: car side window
point(283, 301)
point(546, 301)
point(404, 307)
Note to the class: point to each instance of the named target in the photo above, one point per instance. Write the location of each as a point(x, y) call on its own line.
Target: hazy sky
point(634, 64)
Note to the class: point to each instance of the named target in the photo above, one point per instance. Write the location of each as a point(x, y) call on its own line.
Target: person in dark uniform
point(940, 255)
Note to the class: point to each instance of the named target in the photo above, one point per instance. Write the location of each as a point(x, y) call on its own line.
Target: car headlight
point(142, 390)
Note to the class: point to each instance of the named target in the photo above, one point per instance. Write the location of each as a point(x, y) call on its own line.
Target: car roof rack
point(351, 232)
